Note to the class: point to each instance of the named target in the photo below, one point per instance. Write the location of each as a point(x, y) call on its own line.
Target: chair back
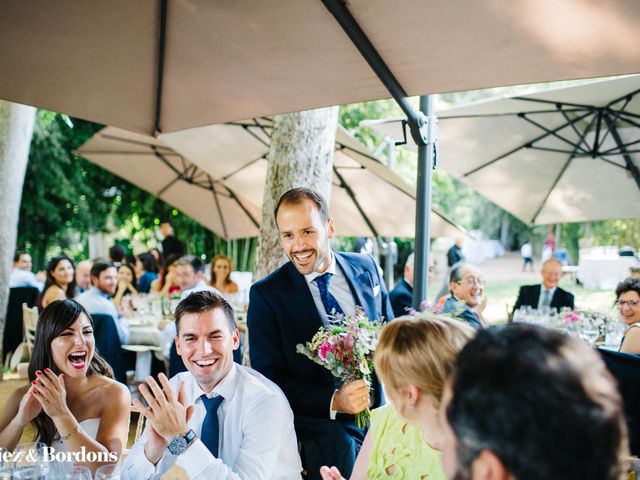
point(13, 327)
point(625, 367)
point(108, 344)
point(29, 324)
point(139, 422)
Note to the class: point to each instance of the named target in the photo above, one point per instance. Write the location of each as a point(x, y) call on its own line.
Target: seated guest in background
point(217, 420)
point(221, 268)
point(73, 403)
point(466, 300)
point(126, 283)
point(413, 358)
point(454, 254)
point(116, 255)
point(160, 262)
point(528, 403)
point(61, 280)
point(21, 274)
point(104, 280)
point(146, 270)
point(549, 294)
point(190, 276)
point(167, 283)
point(401, 297)
point(628, 301)
point(83, 275)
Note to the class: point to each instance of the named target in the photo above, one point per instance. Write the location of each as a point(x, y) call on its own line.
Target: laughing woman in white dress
point(72, 401)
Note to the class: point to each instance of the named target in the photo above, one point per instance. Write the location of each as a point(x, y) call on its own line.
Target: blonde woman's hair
point(420, 350)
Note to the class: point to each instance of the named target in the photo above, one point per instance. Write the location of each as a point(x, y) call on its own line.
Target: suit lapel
point(301, 306)
point(360, 284)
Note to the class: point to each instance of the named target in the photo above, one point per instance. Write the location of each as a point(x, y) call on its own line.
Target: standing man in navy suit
point(549, 294)
point(290, 305)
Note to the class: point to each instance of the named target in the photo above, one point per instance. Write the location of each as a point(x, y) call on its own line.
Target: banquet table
point(604, 272)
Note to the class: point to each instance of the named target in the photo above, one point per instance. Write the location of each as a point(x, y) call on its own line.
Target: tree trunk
point(16, 129)
point(300, 155)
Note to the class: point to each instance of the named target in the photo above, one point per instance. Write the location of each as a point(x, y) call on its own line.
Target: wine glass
point(70, 471)
point(110, 471)
point(29, 461)
point(6, 465)
point(590, 331)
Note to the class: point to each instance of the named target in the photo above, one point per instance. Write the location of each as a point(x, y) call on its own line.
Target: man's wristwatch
point(179, 443)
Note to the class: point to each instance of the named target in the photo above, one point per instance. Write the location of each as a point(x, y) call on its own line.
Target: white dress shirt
point(338, 287)
point(23, 278)
point(95, 300)
point(257, 438)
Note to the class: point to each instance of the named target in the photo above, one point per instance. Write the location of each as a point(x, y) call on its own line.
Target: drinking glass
point(590, 331)
point(29, 462)
point(69, 471)
point(6, 465)
point(110, 471)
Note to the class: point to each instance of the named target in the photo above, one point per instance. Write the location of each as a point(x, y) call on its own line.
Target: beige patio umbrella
point(366, 196)
point(149, 65)
point(570, 154)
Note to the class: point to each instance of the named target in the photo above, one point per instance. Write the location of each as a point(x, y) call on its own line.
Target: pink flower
point(324, 348)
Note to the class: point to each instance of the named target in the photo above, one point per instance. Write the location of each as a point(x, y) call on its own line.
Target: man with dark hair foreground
point(219, 419)
point(526, 403)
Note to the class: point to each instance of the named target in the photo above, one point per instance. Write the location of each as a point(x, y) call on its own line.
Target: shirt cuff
point(196, 459)
point(332, 413)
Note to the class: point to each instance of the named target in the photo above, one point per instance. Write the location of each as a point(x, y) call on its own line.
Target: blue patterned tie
point(210, 428)
point(331, 305)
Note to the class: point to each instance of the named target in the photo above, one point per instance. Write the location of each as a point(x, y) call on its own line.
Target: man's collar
point(310, 277)
point(225, 387)
point(100, 292)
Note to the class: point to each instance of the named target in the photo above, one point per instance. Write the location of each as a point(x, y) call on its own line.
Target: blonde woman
point(221, 268)
point(414, 356)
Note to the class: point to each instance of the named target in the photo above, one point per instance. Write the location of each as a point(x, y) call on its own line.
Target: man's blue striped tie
point(331, 305)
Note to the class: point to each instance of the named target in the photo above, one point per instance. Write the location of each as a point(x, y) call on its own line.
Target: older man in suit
point(547, 294)
point(290, 305)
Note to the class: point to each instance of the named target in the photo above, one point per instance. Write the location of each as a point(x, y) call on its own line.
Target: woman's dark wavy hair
point(53, 263)
point(148, 262)
point(55, 319)
point(628, 285)
point(134, 281)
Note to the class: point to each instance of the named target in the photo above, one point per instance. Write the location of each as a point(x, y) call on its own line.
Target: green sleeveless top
point(399, 450)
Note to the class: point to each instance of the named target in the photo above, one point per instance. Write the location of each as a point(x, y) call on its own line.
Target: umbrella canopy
point(223, 170)
point(564, 155)
point(150, 65)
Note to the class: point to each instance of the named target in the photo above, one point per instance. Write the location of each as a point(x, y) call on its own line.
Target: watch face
point(177, 445)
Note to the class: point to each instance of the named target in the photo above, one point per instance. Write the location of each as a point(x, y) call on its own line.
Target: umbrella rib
point(524, 145)
point(558, 104)
point(262, 127)
point(627, 96)
point(545, 129)
point(215, 199)
point(135, 142)
point(573, 127)
point(555, 182)
point(160, 71)
point(342, 146)
point(347, 188)
point(168, 185)
point(120, 152)
point(512, 114)
point(614, 149)
point(246, 129)
point(241, 205)
point(631, 167)
point(622, 118)
point(251, 162)
point(611, 162)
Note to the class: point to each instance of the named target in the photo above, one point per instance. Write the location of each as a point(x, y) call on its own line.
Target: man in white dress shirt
point(218, 420)
point(104, 281)
point(21, 274)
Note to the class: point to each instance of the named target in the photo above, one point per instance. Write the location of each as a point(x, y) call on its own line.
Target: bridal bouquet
point(345, 347)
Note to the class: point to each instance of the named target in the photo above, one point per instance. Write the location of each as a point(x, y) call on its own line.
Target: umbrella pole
point(423, 205)
point(423, 134)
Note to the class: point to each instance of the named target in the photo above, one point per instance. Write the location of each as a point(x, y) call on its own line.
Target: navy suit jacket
point(401, 298)
point(529, 295)
point(282, 314)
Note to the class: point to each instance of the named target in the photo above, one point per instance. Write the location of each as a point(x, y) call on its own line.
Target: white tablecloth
point(604, 272)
